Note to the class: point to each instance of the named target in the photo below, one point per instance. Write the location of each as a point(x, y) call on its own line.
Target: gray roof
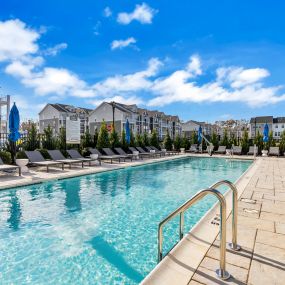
point(69, 108)
point(279, 120)
point(262, 120)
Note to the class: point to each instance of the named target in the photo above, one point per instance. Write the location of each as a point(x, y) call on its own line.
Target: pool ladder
point(221, 271)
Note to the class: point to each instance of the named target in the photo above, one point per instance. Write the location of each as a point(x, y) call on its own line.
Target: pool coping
point(178, 266)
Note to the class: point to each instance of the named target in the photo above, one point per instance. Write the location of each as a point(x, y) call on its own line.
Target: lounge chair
point(237, 150)
point(104, 157)
point(109, 152)
point(120, 151)
point(74, 154)
point(5, 167)
point(36, 158)
point(251, 150)
point(58, 156)
point(221, 150)
point(193, 148)
point(170, 152)
point(156, 152)
point(141, 154)
point(274, 150)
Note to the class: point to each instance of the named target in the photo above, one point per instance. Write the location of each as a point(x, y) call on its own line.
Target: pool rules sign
point(72, 130)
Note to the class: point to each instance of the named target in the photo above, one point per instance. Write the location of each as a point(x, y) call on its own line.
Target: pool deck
point(261, 233)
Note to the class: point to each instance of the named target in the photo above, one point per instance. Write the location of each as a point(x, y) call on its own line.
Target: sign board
point(72, 131)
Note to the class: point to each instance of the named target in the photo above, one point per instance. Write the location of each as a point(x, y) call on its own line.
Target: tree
point(103, 137)
point(139, 140)
point(86, 139)
point(95, 138)
point(132, 139)
point(48, 141)
point(185, 143)
point(154, 141)
point(167, 141)
point(271, 141)
point(32, 142)
point(124, 143)
point(145, 139)
point(282, 143)
point(233, 141)
point(114, 139)
point(177, 142)
point(258, 141)
point(61, 142)
point(245, 142)
point(215, 141)
point(225, 140)
point(194, 138)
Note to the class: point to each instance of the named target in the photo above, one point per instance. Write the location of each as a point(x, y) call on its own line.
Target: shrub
point(20, 155)
point(145, 139)
point(114, 139)
point(132, 139)
point(282, 143)
point(44, 153)
point(185, 142)
point(258, 140)
point(85, 152)
point(245, 142)
point(139, 140)
point(61, 141)
point(6, 157)
point(32, 141)
point(215, 141)
point(194, 138)
point(167, 141)
point(177, 143)
point(95, 138)
point(225, 141)
point(124, 143)
point(48, 141)
point(103, 137)
point(154, 141)
point(86, 140)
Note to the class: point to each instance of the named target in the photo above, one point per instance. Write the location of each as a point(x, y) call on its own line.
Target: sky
point(203, 60)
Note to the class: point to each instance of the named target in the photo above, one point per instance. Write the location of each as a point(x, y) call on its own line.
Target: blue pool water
point(101, 228)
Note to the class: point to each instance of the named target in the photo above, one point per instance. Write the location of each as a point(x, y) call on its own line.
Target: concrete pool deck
point(261, 233)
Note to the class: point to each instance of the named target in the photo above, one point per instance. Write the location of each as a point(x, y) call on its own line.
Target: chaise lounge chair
point(109, 152)
point(74, 154)
point(170, 152)
point(237, 150)
point(251, 150)
point(4, 167)
point(156, 152)
point(193, 148)
point(141, 154)
point(120, 151)
point(36, 158)
point(58, 156)
point(274, 150)
point(104, 157)
point(221, 150)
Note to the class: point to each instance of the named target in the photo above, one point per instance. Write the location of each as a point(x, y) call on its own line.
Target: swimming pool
point(101, 228)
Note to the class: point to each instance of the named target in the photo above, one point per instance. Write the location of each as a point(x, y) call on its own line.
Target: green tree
point(194, 138)
point(32, 141)
point(245, 142)
point(103, 137)
point(61, 141)
point(177, 143)
point(233, 140)
point(271, 141)
point(282, 143)
point(124, 143)
point(154, 141)
point(258, 140)
point(225, 141)
point(185, 143)
point(86, 139)
point(215, 141)
point(139, 140)
point(145, 139)
point(114, 139)
point(95, 137)
point(167, 141)
point(49, 141)
point(132, 139)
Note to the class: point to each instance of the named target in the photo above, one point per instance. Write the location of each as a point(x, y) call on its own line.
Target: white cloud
point(194, 65)
point(119, 99)
point(53, 51)
point(119, 44)
point(107, 12)
point(142, 13)
point(16, 40)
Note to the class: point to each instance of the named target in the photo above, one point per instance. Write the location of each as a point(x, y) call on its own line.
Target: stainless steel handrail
point(233, 245)
point(221, 272)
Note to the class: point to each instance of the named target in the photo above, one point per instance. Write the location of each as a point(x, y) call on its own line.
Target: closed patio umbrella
point(266, 133)
point(14, 125)
point(200, 134)
point(128, 132)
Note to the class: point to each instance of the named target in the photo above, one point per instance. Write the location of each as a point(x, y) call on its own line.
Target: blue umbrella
point(265, 133)
point(128, 132)
point(200, 134)
point(14, 124)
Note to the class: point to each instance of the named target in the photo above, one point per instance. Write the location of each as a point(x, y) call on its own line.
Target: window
point(282, 126)
point(278, 134)
point(275, 134)
point(276, 126)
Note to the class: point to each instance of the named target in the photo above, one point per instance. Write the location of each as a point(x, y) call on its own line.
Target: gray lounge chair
point(141, 154)
point(237, 150)
point(274, 150)
point(109, 152)
point(58, 156)
point(74, 154)
point(251, 150)
point(157, 152)
point(104, 157)
point(170, 152)
point(7, 167)
point(120, 151)
point(193, 148)
point(221, 149)
point(36, 158)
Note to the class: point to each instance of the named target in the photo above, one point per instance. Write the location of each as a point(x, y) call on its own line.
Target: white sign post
point(72, 130)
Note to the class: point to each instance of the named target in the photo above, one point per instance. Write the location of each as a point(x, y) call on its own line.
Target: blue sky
point(203, 60)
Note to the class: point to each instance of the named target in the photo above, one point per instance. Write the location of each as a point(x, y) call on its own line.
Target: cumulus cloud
point(120, 44)
point(53, 51)
point(142, 13)
point(107, 12)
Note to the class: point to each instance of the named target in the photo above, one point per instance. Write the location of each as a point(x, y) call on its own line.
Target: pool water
point(101, 228)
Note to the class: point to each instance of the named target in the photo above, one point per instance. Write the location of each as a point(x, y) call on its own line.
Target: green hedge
point(6, 157)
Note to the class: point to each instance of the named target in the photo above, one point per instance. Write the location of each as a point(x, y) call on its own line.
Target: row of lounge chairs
point(236, 150)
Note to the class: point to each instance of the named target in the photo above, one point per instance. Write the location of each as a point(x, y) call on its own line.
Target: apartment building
point(140, 120)
point(193, 126)
point(257, 125)
point(278, 127)
point(55, 115)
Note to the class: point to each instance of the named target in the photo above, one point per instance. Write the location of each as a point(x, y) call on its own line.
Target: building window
point(275, 134)
point(282, 126)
